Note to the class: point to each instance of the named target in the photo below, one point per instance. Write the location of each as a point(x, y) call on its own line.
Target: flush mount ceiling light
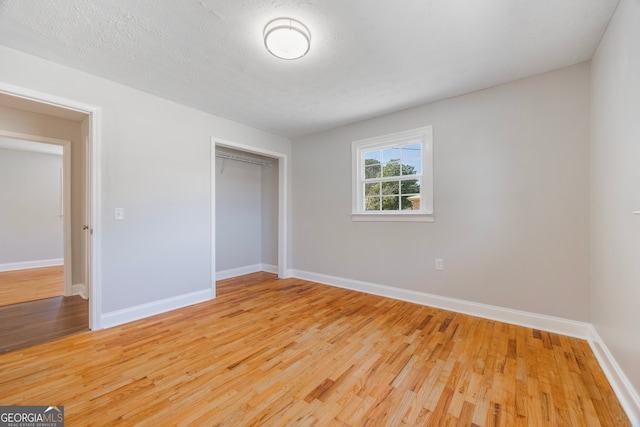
point(287, 38)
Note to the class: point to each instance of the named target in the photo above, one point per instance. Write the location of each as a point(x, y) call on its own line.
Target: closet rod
point(245, 159)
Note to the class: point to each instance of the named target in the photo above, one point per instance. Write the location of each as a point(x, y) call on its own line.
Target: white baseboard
point(269, 268)
point(31, 264)
point(234, 272)
point(79, 289)
point(523, 318)
point(126, 315)
point(627, 394)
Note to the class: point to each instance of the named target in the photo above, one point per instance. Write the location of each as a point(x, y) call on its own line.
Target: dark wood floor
point(35, 322)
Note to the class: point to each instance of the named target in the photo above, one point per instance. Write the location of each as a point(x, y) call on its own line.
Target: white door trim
point(93, 186)
point(66, 197)
point(283, 195)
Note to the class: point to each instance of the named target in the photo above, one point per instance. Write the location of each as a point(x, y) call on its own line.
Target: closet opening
point(248, 210)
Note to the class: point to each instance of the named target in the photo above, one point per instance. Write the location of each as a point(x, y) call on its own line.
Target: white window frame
point(424, 135)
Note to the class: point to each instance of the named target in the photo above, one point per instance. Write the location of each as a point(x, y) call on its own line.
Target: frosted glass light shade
point(287, 38)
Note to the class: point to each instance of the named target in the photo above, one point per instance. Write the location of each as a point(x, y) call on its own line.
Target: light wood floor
point(32, 284)
point(290, 352)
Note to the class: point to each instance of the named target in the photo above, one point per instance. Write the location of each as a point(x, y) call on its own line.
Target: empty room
point(420, 212)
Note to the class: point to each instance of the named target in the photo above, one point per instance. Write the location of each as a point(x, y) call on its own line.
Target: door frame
point(283, 195)
point(66, 197)
point(93, 181)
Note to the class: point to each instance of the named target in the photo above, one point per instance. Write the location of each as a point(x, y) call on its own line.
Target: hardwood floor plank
point(291, 352)
point(34, 322)
point(31, 284)
point(33, 311)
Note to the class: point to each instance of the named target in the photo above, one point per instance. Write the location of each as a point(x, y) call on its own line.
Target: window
point(393, 177)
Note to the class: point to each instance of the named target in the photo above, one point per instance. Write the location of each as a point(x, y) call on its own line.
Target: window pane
point(372, 155)
point(391, 187)
point(410, 186)
point(372, 171)
point(411, 151)
point(372, 203)
point(390, 203)
point(410, 203)
point(391, 169)
point(372, 189)
point(411, 167)
point(389, 154)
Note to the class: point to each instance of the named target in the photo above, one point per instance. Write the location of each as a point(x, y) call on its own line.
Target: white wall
point(270, 214)
point(156, 165)
point(615, 191)
point(30, 200)
point(511, 200)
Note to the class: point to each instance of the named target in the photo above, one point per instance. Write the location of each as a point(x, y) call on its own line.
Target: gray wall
point(30, 199)
point(511, 199)
point(615, 178)
point(238, 215)
point(156, 165)
point(246, 214)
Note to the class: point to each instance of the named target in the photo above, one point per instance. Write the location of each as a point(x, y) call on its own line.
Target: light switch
point(118, 214)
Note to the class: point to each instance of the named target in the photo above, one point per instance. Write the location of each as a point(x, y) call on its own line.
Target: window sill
point(393, 217)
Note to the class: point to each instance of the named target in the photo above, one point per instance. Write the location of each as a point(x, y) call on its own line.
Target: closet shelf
point(240, 158)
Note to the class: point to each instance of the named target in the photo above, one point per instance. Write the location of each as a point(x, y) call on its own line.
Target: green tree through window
point(391, 195)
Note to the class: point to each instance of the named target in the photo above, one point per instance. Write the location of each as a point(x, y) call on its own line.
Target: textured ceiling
point(367, 58)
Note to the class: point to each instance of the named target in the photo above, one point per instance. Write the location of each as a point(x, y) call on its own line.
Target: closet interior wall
point(246, 213)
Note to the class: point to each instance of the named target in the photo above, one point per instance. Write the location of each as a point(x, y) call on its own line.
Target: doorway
point(35, 187)
point(82, 230)
point(36, 275)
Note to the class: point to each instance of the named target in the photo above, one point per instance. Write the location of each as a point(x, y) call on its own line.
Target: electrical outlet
point(439, 264)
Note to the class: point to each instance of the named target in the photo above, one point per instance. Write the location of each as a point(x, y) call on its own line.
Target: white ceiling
point(367, 58)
